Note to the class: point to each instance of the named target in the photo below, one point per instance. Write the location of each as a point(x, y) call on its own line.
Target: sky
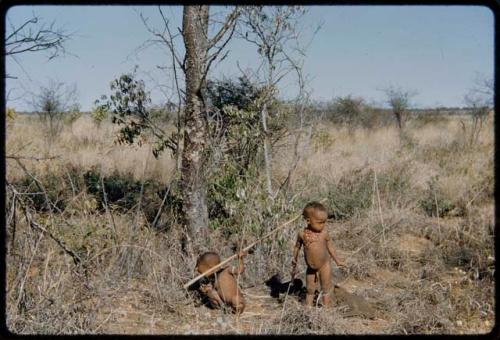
point(436, 51)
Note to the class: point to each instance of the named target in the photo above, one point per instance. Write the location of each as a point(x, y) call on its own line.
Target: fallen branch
point(33, 224)
point(17, 158)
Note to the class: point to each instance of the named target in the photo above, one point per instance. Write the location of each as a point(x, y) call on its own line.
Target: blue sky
point(436, 50)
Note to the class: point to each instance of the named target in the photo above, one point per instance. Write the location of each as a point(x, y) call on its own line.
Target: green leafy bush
point(51, 192)
point(121, 190)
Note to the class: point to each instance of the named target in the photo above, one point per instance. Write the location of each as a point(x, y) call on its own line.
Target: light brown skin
point(318, 248)
point(223, 287)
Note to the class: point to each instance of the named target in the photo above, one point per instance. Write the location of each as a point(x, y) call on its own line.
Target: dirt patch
point(358, 306)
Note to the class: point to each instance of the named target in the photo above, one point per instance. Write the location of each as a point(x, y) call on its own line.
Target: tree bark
point(399, 119)
point(267, 154)
point(195, 30)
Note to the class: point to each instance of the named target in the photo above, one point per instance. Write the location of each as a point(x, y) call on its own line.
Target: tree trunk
point(195, 29)
point(267, 154)
point(399, 119)
point(264, 115)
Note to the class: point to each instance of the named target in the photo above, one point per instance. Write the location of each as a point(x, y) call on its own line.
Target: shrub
point(395, 184)
point(50, 192)
point(351, 195)
point(121, 190)
point(346, 111)
point(321, 139)
point(11, 114)
point(125, 192)
point(435, 202)
point(99, 114)
point(73, 114)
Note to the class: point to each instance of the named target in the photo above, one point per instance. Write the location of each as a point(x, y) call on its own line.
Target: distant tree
point(399, 101)
point(482, 91)
point(74, 112)
point(52, 102)
point(478, 105)
point(99, 114)
point(347, 110)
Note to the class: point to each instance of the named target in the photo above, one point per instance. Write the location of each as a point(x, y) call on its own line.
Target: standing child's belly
point(315, 251)
point(316, 255)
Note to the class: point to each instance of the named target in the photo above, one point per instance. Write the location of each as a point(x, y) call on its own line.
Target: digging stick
point(213, 269)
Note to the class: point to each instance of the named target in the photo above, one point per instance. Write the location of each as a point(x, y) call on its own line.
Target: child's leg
point(310, 285)
point(213, 297)
point(238, 303)
point(325, 277)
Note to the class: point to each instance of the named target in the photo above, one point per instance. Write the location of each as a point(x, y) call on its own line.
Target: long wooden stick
point(213, 269)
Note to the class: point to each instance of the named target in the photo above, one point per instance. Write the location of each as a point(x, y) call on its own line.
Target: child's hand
point(294, 268)
point(341, 264)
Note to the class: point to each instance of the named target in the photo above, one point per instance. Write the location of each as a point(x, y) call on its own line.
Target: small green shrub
point(10, 114)
point(435, 203)
point(99, 114)
point(121, 190)
point(51, 192)
point(351, 195)
point(322, 139)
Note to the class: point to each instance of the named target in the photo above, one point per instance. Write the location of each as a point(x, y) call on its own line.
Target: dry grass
point(84, 145)
point(423, 272)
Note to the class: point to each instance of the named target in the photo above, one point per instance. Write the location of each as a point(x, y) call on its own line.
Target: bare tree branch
point(228, 24)
point(37, 226)
point(30, 38)
point(271, 30)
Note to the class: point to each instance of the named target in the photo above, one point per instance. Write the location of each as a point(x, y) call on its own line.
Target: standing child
point(318, 247)
point(222, 287)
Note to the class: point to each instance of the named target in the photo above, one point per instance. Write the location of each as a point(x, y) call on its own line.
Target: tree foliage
point(235, 153)
point(130, 107)
point(346, 110)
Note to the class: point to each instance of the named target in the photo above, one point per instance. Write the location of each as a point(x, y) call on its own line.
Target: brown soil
point(359, 305)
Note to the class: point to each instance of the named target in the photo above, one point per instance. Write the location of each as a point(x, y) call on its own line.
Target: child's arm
point(331, 251)
point(240, 269)
point(296, 251)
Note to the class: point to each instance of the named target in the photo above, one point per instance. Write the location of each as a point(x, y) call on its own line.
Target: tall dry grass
point(401, 255)
point(85, 145)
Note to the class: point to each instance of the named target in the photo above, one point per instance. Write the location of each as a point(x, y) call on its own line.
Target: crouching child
point(221, 288)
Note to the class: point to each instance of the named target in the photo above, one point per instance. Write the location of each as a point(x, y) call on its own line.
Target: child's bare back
point(222, 287)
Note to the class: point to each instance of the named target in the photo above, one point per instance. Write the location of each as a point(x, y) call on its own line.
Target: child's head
point(207, 261)
point(315, 215)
